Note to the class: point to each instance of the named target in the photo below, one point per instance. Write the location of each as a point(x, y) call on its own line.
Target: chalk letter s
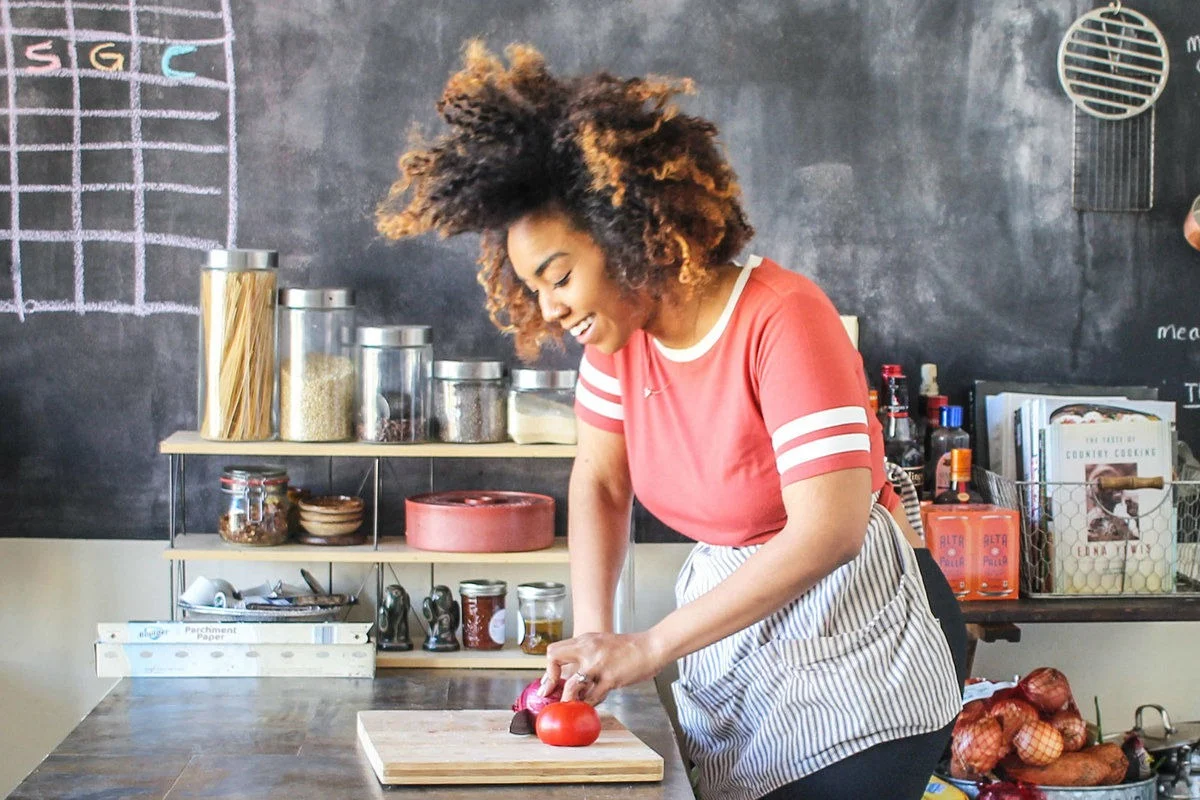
point(170, 53)
point(106, 62)
point(48, 61)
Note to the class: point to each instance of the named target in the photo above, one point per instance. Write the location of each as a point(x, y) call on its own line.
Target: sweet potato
point(1069, 769)
point(1113, 757)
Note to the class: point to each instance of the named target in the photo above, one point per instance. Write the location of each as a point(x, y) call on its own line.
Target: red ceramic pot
point(479, 521)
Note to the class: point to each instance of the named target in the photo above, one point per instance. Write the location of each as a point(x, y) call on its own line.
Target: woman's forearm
point(598, 525)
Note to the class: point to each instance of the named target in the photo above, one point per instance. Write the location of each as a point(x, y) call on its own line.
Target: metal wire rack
point(1114, 536)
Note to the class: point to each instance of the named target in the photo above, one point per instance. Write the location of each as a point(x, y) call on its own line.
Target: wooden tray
point(475, 747)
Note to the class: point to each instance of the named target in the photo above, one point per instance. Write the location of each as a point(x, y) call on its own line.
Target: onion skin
point(1047, 688)
point(977, 748)
point(1073, 730)
point(529, 698)
point(1038, 743)
point(1013, 714)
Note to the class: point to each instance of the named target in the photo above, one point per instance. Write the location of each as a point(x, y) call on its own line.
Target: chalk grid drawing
point(75, 51)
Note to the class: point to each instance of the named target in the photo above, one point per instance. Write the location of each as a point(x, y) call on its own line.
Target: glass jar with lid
point(469, 400)
point(541, 406)
point(541, 610)
point(237, 345)
point(483, 614)
point(316, 364)
point(395, 364)
point(254, 505)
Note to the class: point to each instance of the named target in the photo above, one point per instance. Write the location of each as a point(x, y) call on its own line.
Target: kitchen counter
point(296, 738)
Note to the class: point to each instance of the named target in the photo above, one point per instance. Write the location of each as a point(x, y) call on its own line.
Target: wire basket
point(1114, 536)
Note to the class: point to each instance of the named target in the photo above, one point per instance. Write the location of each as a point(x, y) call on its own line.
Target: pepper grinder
point(393, 619)
point(440, 610)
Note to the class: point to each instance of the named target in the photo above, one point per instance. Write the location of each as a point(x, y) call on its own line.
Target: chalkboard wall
point(914, 157)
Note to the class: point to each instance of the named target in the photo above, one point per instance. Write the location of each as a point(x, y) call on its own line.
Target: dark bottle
point(960, 490)
point(931, 420)
point(887, 390)
point(946, 437)
point(901, 445)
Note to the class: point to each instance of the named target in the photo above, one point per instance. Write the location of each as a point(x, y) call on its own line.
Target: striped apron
point(855, 661)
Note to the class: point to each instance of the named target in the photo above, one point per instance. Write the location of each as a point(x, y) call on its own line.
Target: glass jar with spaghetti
point(541, 607)
point(483, 614)
point(237, 345)
point(316, 364)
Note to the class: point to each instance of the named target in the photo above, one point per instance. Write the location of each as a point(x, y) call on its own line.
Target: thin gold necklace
point(647, 391)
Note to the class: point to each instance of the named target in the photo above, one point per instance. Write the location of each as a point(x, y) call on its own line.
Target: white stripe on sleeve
point(601, 380)
point(593, 402)
point(829, 446)
point(829, 418)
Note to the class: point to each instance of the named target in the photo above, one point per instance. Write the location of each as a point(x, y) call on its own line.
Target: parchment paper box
point(192, 660)
point(204, 632)
point(977, 547)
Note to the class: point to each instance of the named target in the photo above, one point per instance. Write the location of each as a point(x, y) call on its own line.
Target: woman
point(731, 401)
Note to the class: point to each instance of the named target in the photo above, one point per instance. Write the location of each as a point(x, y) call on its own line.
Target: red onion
point(531, 700)
point(1046, 688)
point(1010, 791)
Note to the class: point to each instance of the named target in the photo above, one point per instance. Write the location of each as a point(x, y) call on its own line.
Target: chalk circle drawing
point(71, 52)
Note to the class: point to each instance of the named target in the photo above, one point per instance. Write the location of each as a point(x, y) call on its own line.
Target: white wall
point(53, 592)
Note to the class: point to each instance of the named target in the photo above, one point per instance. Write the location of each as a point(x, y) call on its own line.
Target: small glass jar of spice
point(542, 607)
point(254, 505)
point(483, 614)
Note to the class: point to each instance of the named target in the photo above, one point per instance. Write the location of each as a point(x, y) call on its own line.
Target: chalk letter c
point(170, 53)
point(104, 61)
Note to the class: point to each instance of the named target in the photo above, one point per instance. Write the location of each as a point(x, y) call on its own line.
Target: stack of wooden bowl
point(331, 519)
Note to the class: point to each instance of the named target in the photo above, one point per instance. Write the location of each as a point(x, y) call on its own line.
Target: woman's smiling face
point(565, 268)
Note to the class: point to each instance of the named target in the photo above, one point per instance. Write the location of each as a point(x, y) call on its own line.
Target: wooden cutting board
point(474, 746)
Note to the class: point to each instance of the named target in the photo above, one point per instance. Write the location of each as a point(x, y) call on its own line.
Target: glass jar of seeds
point(469, 401)
point(394, 364)
point(316, 365)
point(254, 505)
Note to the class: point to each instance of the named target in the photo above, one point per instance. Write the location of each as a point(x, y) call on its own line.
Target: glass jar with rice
point(316, 364)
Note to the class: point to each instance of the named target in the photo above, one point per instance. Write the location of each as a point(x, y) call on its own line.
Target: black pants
point(899, 769)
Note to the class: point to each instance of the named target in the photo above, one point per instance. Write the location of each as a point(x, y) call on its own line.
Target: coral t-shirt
point(773, 394)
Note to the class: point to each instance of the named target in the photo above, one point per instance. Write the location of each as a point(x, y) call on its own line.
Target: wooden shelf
point(1160, 608)
point(508, 658)
point(189, 443)
point(392, 550)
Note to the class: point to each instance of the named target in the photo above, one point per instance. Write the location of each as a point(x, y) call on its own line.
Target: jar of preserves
point(395, 365)
point(237, 345)
point(483, 614)
point(316, 364)
point(469, 401)
point(541, 608)
point(541, 406)
point(254, 505)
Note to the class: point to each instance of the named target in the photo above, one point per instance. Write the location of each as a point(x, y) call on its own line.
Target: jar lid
point(254, 475)
point(543, 378)
point(480, 369)
point(395, 335)
point(541, 590)
point(316, 298)
point(482, 587)
point(242, 259)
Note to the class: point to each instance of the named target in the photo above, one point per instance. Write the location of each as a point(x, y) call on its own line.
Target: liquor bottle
point(887, 390)
point(946, 437)
point(873, 401)
point(960, 490)
point(932, 421)
point(929, 388)
point(901, 446)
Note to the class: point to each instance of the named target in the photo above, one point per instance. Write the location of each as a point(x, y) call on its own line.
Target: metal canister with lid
point(316, 365)
point(469, 401)
point(483, 613)
point(541, 406)
point(237, 345)
point(395, 364)
point(254, 505)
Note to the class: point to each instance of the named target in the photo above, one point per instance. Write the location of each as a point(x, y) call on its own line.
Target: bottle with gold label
point(960, 490)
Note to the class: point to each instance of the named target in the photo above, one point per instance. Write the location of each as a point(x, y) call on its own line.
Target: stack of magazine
point(1089, 534)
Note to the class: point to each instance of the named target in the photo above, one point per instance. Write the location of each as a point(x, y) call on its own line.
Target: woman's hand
point(593, 664)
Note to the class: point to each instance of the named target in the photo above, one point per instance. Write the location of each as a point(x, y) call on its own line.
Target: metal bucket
point(1139, 790)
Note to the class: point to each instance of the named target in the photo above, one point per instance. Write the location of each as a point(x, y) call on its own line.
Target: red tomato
point(573, 723)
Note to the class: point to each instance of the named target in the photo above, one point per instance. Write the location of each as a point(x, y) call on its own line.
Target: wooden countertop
point(296, 738)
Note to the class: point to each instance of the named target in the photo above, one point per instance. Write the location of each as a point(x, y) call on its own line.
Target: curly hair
point(648, 183)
